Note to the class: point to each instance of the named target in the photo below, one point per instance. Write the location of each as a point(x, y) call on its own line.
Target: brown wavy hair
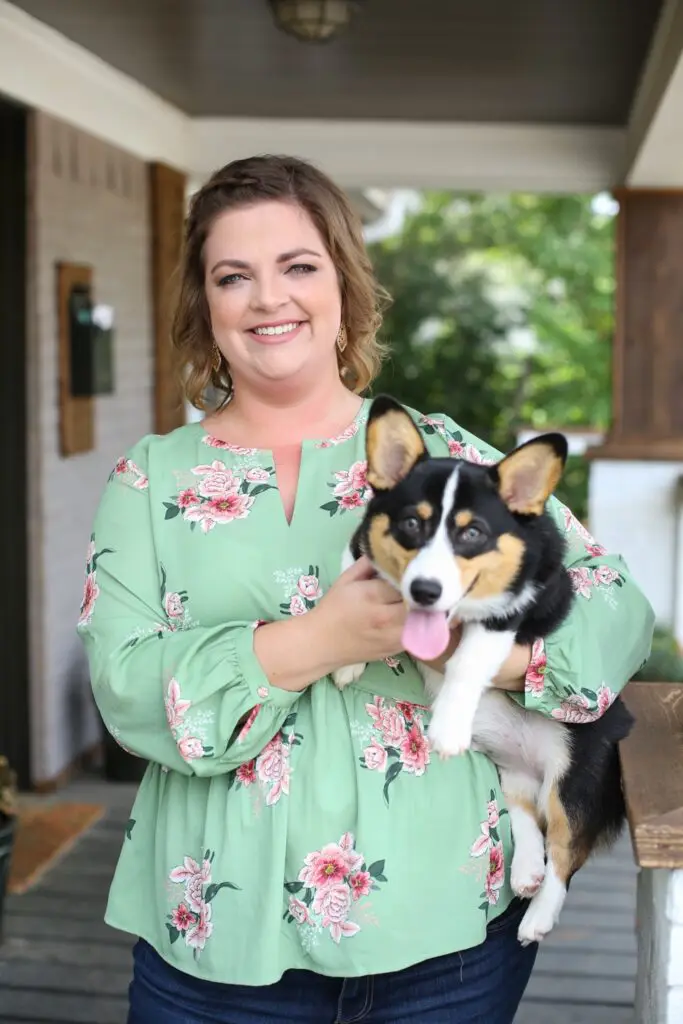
point(286, 178)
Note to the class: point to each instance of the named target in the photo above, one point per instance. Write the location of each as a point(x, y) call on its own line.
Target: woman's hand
point(360, 618)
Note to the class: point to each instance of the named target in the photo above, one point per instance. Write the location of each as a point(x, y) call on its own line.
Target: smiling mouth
point(278, 332)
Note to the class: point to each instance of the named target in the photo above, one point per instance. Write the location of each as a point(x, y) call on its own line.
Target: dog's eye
point(471, 534)
point(411, 525)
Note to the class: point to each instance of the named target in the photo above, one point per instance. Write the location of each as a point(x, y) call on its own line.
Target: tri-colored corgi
point(474, 544)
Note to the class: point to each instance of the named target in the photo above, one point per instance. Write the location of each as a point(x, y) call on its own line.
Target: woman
point(295, 853)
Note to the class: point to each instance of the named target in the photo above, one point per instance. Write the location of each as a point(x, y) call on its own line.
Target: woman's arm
point(179, 696)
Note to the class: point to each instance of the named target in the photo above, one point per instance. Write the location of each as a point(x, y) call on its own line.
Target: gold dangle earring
point(342, 338)
point(216, 358)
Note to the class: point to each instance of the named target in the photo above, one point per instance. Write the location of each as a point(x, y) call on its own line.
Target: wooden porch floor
point(60, 964)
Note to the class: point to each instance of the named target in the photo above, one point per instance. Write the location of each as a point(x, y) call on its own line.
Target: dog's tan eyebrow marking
point(463, 518)
point(385, 550)
point(425, 510)
point(494, 571)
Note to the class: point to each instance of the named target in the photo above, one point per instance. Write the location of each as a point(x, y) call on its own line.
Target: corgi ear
point(528, 476)
point(393, 444)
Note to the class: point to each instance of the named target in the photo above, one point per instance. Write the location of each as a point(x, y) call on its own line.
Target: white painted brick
point(80, 221)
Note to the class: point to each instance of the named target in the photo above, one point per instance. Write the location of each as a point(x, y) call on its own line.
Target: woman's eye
point(230, 279)
point(301, 268)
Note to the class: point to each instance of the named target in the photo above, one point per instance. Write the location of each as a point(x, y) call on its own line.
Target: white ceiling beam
point(654, 139)
point(41, 68)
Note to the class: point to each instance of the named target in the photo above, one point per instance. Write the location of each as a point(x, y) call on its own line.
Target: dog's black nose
point(425, 592)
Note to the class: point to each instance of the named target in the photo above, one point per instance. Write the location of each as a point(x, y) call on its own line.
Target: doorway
point(14, 669)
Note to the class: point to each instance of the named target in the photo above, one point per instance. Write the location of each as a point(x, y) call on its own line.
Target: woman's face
point(273, 295)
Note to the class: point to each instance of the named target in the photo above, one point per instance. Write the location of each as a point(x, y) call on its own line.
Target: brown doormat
point(43, 835)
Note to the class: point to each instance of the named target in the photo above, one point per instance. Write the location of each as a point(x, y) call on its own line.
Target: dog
point(474, 544)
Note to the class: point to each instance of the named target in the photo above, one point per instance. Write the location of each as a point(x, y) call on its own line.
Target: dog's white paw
point(348, 674)
point(527, 873)
point(539, 920)
point(449, 736)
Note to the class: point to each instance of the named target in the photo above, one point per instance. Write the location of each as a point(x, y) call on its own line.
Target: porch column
point(635, 498)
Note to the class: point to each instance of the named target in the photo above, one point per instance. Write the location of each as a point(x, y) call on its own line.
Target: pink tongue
point(426, 634)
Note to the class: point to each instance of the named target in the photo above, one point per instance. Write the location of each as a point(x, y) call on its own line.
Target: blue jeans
point(483, 985)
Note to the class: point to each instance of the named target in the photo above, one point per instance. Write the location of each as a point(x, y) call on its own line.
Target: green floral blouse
point(313, 830)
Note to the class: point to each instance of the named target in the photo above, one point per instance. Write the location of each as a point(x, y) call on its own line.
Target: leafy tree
point(502, 315)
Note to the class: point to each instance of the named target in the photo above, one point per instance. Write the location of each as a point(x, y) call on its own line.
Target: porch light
point(313, 21)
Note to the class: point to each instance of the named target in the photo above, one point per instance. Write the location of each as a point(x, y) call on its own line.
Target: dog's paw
point(449, 736)
point(526, 876)
point(348, 674)
point(539, 920)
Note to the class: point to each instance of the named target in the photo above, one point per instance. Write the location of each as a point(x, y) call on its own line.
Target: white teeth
point(280, 329)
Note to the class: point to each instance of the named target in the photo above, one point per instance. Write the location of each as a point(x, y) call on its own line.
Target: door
point(14, 674)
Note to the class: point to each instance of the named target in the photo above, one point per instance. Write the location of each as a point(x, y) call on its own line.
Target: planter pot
point(7, 834)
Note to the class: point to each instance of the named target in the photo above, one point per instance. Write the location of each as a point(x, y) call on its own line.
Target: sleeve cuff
point(257, 682)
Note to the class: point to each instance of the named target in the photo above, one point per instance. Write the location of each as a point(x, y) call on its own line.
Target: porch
point(60, 964)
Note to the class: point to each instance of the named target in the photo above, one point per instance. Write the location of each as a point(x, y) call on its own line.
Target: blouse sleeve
point(577, 671)
point(194, 699)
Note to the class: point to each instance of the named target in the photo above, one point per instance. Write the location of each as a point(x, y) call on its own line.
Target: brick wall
point(89, 204)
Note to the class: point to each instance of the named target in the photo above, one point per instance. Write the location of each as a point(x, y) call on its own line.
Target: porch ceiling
point(534, 61)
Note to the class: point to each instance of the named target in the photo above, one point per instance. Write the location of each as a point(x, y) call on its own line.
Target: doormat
point(45, 834)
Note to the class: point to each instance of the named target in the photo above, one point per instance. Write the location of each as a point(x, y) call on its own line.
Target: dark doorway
point(14, 672)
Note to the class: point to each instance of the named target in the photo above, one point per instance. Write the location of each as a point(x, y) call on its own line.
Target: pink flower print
point(473, 454)
point(246, 773)
point(309, 587)
point(345, 435)
point(375, 756)
point(299, 911)
point(121, 466)
point(217, 480)
point(225, 446)
point(392, 726)
point(219, 510)
point(493, 814)
point(496, 873)
point(297, 606)
point(375, 709)
point(187, 498)
point(574, 710)
point(604, 575)
point(333, 903)
point(91, 592)
point(175, 706)
point(414, 751)
point(605, 699)
point(182, 918)
point(535, 674)
point(482, 843)
point(329, 865)
point(582, 581)
point(191, 748)
point(391, 662)
point(456, 449)
point(596, 550)
point(351, 480)
point(360, 883)
point(249, 721)
point(350, 501)
point(173, 606)
point(257, 475)
point(198, 933)
point(190, 869)
point(273, 769)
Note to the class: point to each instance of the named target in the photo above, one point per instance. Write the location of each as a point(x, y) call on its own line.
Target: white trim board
point(43, 69)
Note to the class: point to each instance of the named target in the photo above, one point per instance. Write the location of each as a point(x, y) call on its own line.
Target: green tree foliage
point(502, 315)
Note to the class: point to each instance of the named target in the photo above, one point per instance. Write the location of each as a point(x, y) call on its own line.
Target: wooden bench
point(652, 764)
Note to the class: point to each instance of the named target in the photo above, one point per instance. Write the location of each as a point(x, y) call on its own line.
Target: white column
point(659, 985)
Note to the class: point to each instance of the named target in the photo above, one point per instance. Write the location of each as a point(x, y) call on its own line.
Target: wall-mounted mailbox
point(91, 335)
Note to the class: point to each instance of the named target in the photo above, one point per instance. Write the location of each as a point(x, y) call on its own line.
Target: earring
point(216, 358)
point(342, 338)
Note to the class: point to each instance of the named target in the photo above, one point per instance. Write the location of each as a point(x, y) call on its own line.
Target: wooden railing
point(652, 763)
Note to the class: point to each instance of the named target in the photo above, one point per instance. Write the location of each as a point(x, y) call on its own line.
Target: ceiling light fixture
point(313, 21)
